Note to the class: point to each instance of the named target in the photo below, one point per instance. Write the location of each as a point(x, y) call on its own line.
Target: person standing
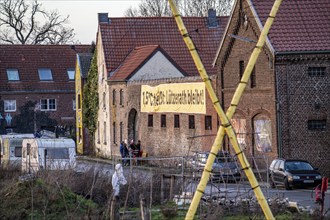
point(117, 180)
point(122, 152)
point(126, 153)
point(138, 148)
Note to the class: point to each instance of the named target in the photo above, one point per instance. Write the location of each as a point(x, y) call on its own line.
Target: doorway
point(132, 124)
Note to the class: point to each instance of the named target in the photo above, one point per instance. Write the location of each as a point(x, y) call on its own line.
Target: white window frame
point(48, 77)
point(48, 104)
point(10, 105)
point(71, 74)
point(12, 75)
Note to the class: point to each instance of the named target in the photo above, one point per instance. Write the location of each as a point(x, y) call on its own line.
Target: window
point(262, 128)
point(114, 132)
point(316, 71)
point(176, 121)
point(191, 119)
point(317, 125)
point(104, 100)
point(208, 122)
point(113, 97)
point(121, 98)
point(79, 135)
point(150, 120)
point(10, 105)
point(57, 153)
point(79, 102)
point(104, 133)
point(47, 104)
point(253, 80)
point(70, 73)
point(163, 121)
point(239, 125)
point(12, 74)
point(45, 74)
point(18, 152)
point(121, 131)
point(98, 132)
point(241, 69)
point(74, 104)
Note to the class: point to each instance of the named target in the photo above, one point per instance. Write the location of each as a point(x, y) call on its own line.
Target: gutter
point(19, 92)
point(303, 52)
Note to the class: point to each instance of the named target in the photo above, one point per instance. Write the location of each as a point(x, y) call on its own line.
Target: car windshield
point(225, 158)
point(222, 157)
point(297, 165)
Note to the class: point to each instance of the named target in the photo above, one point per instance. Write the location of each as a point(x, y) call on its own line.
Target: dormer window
point(70, 73)
point(12, 75)
point(45, 74)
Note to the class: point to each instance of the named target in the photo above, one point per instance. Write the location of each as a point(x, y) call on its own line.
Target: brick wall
point(157, 140)
point(301, 98)
point(64, 114)
point(259, 101)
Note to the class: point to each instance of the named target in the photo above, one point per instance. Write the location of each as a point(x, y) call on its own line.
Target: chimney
point(103, 18)
point(212, 20)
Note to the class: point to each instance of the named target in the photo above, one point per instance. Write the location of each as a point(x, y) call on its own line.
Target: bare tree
point(201, 7)
point(150, 8)
point(26, 22)
point(159, 8)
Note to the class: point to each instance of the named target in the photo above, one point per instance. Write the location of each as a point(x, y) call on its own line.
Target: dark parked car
point(225, 168)
point(293, 173)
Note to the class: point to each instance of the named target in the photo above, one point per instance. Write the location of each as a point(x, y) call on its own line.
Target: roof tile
point(29, 58)
point(122, 35)
point(302, 25)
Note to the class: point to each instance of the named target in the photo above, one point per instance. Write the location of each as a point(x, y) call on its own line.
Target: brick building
point(81, 72)
point(285, 108)
point(37, 75)
point(150, 51)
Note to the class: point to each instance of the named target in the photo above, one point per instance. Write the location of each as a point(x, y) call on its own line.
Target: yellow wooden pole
point(226, 124)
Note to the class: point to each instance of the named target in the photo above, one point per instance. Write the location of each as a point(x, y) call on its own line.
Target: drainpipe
point(278, 114)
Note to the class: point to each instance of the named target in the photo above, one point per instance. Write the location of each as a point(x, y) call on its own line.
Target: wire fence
point(157, 184)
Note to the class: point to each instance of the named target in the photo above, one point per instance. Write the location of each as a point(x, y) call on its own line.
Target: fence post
point(162, 188)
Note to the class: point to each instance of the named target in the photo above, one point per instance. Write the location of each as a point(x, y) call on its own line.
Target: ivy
point(91, 98)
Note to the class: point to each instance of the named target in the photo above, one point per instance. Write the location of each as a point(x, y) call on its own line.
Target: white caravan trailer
point(11, 149)
point(48, 153)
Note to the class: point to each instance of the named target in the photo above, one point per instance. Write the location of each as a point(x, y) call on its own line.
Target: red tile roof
point(302, 25)
point(135, 60)
point(29, 58)
point(122, 35)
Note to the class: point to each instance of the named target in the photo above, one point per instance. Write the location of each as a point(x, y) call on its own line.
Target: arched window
point(239, 125)
point(113, 97)
point(121, 97)
point(103, 99)
point(262, 128)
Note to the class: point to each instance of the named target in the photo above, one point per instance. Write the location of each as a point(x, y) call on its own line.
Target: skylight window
point(45, 74)
point(12, 74)
point(70, 74)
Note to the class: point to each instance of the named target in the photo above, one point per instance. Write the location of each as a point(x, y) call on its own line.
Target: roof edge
point(224, 34)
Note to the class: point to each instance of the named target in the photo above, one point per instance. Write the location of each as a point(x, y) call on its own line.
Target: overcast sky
point(83, 13)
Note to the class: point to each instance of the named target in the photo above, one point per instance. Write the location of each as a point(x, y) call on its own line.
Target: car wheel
point(286, 184)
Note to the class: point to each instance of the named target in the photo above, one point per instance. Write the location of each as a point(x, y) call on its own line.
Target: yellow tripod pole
point(225, 118)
